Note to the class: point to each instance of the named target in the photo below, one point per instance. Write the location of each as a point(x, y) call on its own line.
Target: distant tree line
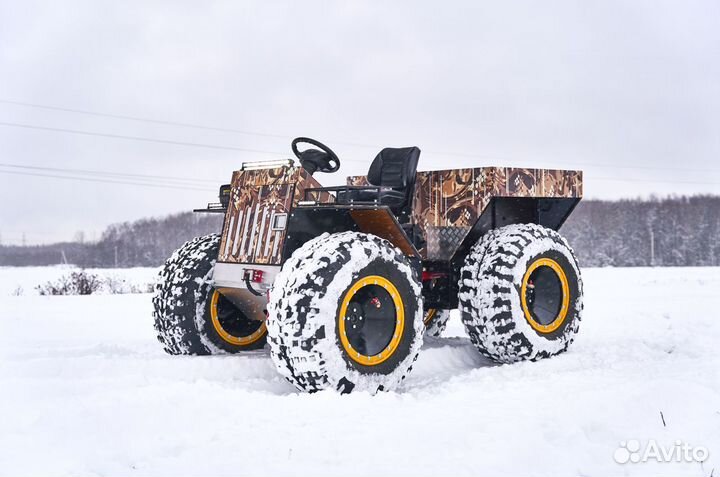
point(674, 231)
point(143, 243)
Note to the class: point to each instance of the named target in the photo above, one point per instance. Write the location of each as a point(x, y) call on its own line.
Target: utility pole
point(116, 265)
point(652, 248)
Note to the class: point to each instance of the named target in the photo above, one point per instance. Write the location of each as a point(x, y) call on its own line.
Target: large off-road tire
point(521, 293)
point(435, 322)
point(191, 317)
point(345, 313)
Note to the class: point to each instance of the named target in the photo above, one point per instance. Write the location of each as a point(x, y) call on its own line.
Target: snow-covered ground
point(85, 389)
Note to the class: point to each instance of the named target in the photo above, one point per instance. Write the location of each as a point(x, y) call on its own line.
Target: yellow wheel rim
point(223, 333)
point(429, 316)
point(386, 353)
point(565, 303)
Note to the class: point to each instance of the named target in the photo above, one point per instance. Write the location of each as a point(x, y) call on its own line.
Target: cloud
point(603, 84)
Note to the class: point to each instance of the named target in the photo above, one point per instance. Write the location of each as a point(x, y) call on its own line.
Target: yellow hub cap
point(223, 333)
point(564, 305)
point(399, 312)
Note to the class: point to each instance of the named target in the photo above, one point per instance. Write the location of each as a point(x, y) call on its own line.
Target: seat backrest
point(396, 168)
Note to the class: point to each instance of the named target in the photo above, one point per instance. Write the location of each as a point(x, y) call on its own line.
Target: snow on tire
point(435, 322)
point(185, 305)
point(520, 293)
point(345, 313)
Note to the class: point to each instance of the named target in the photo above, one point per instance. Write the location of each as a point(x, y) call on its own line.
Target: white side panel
point(236, 235)
point(245, 230)
point(261, 234)
point(251, 243)
point(228, 238)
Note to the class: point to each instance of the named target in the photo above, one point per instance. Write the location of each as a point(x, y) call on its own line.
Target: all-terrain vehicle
point(343, 282)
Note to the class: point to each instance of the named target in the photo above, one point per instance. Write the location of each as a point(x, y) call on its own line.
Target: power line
point(215, 128)
point(145, 139)
point(145, 120)
point(205, 127)
point(159, 182)
point(167, 123)
point(613, 179)
point(284, 136)
point(111, 173)
point(260, 151)
point(137, 138)
point(274, 135)
point(213, 146)
point(621, 166)
point(107, 181)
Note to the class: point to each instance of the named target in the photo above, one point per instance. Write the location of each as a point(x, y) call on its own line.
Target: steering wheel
point(312, 160)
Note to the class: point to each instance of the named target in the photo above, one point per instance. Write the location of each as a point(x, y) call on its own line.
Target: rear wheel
point(521, 293)
point(191, 317)
point(345, 313)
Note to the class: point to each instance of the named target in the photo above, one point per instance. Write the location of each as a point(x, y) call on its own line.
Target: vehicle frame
point(272, 208)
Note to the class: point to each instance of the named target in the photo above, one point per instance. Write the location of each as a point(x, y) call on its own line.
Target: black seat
point(393, 170)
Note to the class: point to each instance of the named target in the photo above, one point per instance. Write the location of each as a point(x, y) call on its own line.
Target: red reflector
point(432, 275)
point(254, 275)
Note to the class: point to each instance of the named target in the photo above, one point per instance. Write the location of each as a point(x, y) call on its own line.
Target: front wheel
point(345, 313)
point(521, 293)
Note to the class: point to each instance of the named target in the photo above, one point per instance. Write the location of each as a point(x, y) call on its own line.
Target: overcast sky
point(628, 91)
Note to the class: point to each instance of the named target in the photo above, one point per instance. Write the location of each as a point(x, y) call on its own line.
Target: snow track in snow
point(85, 389)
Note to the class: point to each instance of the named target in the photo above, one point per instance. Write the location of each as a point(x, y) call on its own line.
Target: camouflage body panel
point(257, 197)
point(447, 203)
